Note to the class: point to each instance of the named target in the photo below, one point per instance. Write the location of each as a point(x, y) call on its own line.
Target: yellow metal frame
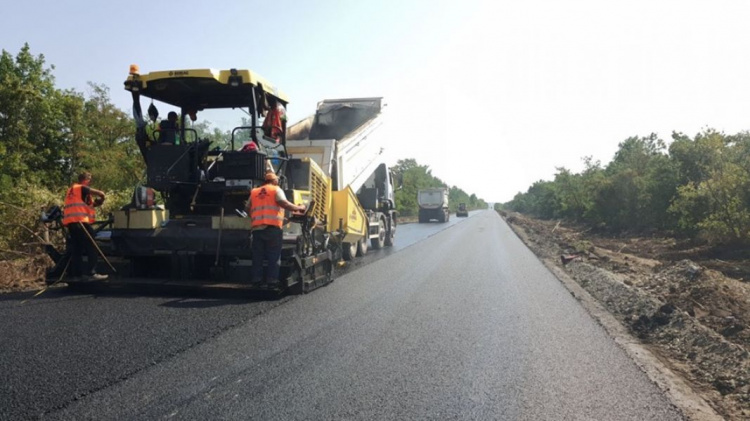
point(347, 214)
point(341, 209)
point(139, 219)
point(231, 222)
point(220, 76)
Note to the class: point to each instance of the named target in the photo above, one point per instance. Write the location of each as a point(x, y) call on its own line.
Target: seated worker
point(273, 124)
point(168, 130)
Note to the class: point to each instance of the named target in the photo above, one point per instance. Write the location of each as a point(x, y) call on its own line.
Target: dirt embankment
point(689, 306)
point(23, 274)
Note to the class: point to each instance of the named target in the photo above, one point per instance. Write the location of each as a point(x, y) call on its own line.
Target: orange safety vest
point(272, 125)
point(76, 210)
point(263, 207)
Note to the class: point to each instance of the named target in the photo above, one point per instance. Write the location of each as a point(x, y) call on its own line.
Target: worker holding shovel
point(78, 215)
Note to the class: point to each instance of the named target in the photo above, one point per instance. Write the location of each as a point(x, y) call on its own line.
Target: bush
point(21, 206)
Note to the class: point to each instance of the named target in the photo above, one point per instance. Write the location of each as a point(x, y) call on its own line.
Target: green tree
point(640, 183)
point(32, 153)
point(715, 200)
point(47, 136)
point(30, 119)
point(572, 199)
point(108, 149)
point(703, 181)
point(540, 200)
point(220, 139)
point(633, 192)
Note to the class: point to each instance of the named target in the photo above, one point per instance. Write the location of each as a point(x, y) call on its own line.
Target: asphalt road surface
point(457, 321)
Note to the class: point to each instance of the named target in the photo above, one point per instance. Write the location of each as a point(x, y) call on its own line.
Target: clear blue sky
point(492, 95)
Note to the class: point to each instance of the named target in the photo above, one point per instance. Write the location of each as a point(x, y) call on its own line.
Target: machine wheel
point(349, 251)
point(391, 235)
point(362, 247)
point(299, 287)
point(379, 243)
point(329, 273)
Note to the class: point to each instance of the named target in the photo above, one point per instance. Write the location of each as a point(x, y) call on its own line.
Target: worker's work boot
point(97, 277)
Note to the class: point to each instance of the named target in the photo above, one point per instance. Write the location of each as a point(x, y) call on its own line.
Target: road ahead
point(458, 321)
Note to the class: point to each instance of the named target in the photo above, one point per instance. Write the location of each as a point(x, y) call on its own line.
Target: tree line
point(414, 177)
point(49, 135)
point(696, 187)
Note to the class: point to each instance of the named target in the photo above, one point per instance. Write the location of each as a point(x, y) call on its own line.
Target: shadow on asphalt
point(181, 296)
point(197, 303)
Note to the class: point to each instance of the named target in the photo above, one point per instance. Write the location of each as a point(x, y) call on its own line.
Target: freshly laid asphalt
point(457, 321)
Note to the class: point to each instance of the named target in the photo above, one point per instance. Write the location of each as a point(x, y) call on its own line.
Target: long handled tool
point(62, 275)
point(101, 253)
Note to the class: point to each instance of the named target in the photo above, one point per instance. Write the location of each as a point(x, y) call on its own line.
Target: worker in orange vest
point(78, 215)
point(274, 122)
point(267, 204)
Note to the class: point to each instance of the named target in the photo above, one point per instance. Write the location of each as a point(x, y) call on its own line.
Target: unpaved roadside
point(24, 274)
point(683, 323)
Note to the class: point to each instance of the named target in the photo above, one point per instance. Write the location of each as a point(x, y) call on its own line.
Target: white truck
point(433, 204)
point(344, 139)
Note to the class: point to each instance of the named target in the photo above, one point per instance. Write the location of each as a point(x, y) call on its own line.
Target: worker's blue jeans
point(267, 246)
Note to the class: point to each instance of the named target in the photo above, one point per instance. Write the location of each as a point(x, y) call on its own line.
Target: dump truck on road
point(433, 204)
point(462, 210)
point(345, 139)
